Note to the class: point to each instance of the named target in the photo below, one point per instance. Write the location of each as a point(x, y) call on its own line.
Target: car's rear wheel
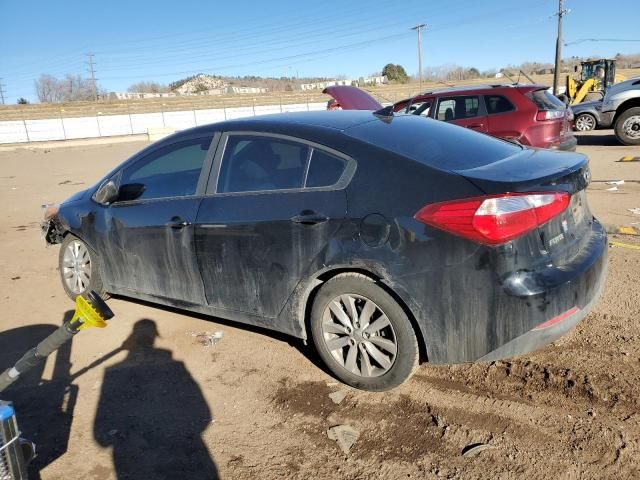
point(627, 127)
point(362, 334)
point(585, 122)
point(78, 266)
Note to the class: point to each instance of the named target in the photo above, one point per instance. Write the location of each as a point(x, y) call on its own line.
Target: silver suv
point(621, 110)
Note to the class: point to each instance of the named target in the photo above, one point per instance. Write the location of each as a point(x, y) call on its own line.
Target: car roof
point(334, 120)
point(484, 88)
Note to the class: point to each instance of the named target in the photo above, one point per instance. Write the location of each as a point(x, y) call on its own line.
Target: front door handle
point(178, 222)
point(476, 125)
point(309, 218)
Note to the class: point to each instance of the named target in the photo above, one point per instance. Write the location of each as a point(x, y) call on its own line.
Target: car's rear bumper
point(491, 304)
point(575, 288)
point(567, 145)
point(542, 336)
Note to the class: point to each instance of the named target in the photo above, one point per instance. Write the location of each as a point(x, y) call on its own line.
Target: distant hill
point(203, 82)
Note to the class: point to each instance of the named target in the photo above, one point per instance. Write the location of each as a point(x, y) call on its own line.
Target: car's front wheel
point(78, 266)
point(585, 122)
point(627, 127)
point(362, 334)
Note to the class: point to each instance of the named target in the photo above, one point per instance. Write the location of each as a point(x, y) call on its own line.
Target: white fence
point(24, 131)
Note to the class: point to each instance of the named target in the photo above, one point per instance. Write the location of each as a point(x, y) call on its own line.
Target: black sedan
point(386, 240)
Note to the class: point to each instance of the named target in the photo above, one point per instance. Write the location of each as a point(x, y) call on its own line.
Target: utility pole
point(92, 72)
point(556, 71)
point(419, 28)
point(1, 92)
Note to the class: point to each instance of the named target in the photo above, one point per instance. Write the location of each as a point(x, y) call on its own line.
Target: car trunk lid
point(535, 170)
point(352, 98)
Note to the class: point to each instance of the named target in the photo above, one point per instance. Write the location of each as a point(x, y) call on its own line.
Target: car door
point(501, 117)
point(464, 110)
point(151, 247)
point(273, 205)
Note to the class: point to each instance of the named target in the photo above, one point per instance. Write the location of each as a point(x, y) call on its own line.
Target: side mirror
point(107, 193)
point(130, 191)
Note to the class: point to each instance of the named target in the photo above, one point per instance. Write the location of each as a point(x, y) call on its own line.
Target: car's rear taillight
point(494, 219)
point(550, 114)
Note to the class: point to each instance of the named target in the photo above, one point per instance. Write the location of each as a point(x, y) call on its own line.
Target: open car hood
point(352, 98)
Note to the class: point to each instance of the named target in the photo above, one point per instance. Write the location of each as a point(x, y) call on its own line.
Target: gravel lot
point(147, 399)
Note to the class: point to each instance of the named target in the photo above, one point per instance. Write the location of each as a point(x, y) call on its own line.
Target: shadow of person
point(152, 413)
point(44, 408)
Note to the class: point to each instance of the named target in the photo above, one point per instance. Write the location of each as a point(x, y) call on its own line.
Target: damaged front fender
point(52, 231)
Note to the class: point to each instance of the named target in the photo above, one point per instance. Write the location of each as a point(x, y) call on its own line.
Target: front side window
point(458, 108)
point(171, 171)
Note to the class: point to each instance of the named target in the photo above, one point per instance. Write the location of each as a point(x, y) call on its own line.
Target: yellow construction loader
point(595, 77)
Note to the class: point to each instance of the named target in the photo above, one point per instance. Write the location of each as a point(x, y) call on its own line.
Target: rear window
point(497, 104)
point(545, 100)
point(434, 143)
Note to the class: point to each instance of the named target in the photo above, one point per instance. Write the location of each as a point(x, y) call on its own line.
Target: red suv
point(528, 114)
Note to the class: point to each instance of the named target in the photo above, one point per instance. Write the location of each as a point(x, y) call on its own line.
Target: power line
point(287, 58)
point(2, 91)
point(92, 72)
point(583, 40)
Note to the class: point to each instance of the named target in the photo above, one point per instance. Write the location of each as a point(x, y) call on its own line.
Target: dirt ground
point(147, 398)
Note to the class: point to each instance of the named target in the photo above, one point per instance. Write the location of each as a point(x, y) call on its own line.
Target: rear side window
point(171, 171)
point(457, 108)
point(498, 104)
point(545, 100)
point(258, 163)
point(324, 170)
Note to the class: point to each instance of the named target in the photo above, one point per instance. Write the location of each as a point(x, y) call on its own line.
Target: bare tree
point(50, 89)
point(147, 87)
point(47, 88)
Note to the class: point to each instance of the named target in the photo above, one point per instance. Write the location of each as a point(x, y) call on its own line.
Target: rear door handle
point(177, 223)
point(476, 125)
point(309, 218)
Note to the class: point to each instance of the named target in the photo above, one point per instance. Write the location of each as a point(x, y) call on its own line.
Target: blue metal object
point(12, 460)
point(6, 412)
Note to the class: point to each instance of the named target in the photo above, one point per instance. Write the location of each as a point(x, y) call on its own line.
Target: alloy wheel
point(631, 127)
point(76, 267)
point(585, 123)
point(359, 335)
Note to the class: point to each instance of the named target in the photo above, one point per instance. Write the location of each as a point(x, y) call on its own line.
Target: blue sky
point(164, 41)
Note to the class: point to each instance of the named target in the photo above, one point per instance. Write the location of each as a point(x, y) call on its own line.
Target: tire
point(363, 357)
point(627, 127)
point(585, 122)
point(79, 268)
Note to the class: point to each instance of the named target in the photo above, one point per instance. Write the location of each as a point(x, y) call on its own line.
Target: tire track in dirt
point(541, 428)
point(438, 423)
